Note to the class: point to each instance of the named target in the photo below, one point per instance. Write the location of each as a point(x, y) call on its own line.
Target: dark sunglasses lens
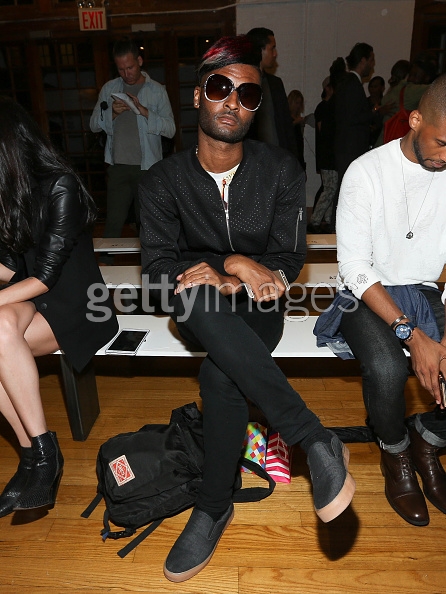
point(218, 87)
point(250, 95)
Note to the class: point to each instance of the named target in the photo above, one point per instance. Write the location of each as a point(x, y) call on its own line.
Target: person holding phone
point(47, 265)
point(222, 221)
point(391, 251)
point(134, 112)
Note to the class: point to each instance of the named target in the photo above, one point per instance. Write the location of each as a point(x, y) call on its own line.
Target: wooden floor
point(276, 546)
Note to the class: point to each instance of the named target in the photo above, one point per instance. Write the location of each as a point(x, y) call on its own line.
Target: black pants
point(239, 366)
point(385, 369)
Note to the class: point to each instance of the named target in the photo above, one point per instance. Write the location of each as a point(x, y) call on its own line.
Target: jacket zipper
point(299, 218)
point(226, 207)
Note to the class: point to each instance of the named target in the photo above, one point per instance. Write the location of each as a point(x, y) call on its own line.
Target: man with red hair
point(222, 234)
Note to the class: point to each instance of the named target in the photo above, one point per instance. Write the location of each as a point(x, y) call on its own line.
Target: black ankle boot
point(45, 475)
point(17, 484)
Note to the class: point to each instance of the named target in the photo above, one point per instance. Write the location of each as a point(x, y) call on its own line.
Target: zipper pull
point(223, 184)
point(225, 204)
point(300, 214)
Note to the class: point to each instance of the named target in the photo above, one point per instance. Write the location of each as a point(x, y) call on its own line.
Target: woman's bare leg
point(23, 335)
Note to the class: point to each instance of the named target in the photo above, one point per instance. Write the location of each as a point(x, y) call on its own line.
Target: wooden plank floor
point(276, 546)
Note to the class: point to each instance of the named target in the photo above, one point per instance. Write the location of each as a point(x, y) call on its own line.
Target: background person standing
point(272, 122)
point(133, 140)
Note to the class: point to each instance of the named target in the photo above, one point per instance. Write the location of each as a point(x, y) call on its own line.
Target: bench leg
point(81, 398)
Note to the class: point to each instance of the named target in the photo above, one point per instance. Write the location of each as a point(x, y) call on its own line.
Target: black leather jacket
point(63, 259)
point(54, 236)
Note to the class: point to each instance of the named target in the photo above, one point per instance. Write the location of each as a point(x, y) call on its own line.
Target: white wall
point(310, 34)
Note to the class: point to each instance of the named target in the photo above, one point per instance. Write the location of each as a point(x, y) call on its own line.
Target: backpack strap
point(107, 532)
point(92, 506)
point(250, 494)
point(138, 539)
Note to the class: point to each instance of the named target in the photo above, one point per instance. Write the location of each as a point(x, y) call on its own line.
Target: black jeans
point(239, 366)
point(385, 369)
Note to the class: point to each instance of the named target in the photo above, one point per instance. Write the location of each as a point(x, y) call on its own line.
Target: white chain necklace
point(409, 235)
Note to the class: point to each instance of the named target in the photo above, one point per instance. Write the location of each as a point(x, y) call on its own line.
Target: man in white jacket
point(134, 129)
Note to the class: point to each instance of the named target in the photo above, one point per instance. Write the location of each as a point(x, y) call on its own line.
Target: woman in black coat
point(49, 276)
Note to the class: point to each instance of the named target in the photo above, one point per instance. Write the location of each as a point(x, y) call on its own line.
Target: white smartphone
point(127, 342)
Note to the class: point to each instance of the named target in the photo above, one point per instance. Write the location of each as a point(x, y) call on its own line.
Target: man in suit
point(272, 122)
point(353, 115)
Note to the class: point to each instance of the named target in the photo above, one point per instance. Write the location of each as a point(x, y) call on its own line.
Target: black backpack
point(154, 473)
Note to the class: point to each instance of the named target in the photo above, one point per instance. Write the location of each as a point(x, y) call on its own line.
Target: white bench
point(311, 275)
point(164, 340)
point(129, 245)
point(321, 241)
point(80, 389)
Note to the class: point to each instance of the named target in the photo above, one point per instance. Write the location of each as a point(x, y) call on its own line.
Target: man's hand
point(263, 282)
point(144, 111)
point(203, 274)
point(426, 357)
point(118, 107)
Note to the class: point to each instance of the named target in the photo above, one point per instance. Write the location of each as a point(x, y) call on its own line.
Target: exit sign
point(92, 19)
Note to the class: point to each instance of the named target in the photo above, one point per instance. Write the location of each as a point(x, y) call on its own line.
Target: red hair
point(228, 50)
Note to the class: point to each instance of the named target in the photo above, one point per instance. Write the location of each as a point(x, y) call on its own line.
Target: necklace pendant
point(409, 235)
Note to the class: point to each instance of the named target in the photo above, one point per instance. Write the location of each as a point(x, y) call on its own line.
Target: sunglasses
point(218, 88)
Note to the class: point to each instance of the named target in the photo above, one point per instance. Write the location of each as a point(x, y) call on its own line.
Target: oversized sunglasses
point(218, 88)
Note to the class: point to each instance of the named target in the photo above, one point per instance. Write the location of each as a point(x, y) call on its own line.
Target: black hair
point(125, 46)
point(338, 71)
point(358, 52)
point(432, 104)
point(260, 36)
point(400, 70)
point(27, 155)
point(380, 78)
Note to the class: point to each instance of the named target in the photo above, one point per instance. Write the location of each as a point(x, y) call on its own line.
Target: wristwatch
point(404, 331)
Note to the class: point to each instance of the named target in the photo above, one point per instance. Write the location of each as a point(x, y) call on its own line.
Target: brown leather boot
point(428, 466)
point(402, 489)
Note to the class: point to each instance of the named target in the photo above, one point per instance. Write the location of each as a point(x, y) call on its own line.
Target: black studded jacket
point(184, 222)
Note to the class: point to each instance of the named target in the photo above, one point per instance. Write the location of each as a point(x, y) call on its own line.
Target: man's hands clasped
point(242, 271)
point(203, 274)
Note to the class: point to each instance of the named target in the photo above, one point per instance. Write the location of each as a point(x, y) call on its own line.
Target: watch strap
point(281, 276)
point(398, 321)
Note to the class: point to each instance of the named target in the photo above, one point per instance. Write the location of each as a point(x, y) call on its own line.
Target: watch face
point(403, 331)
